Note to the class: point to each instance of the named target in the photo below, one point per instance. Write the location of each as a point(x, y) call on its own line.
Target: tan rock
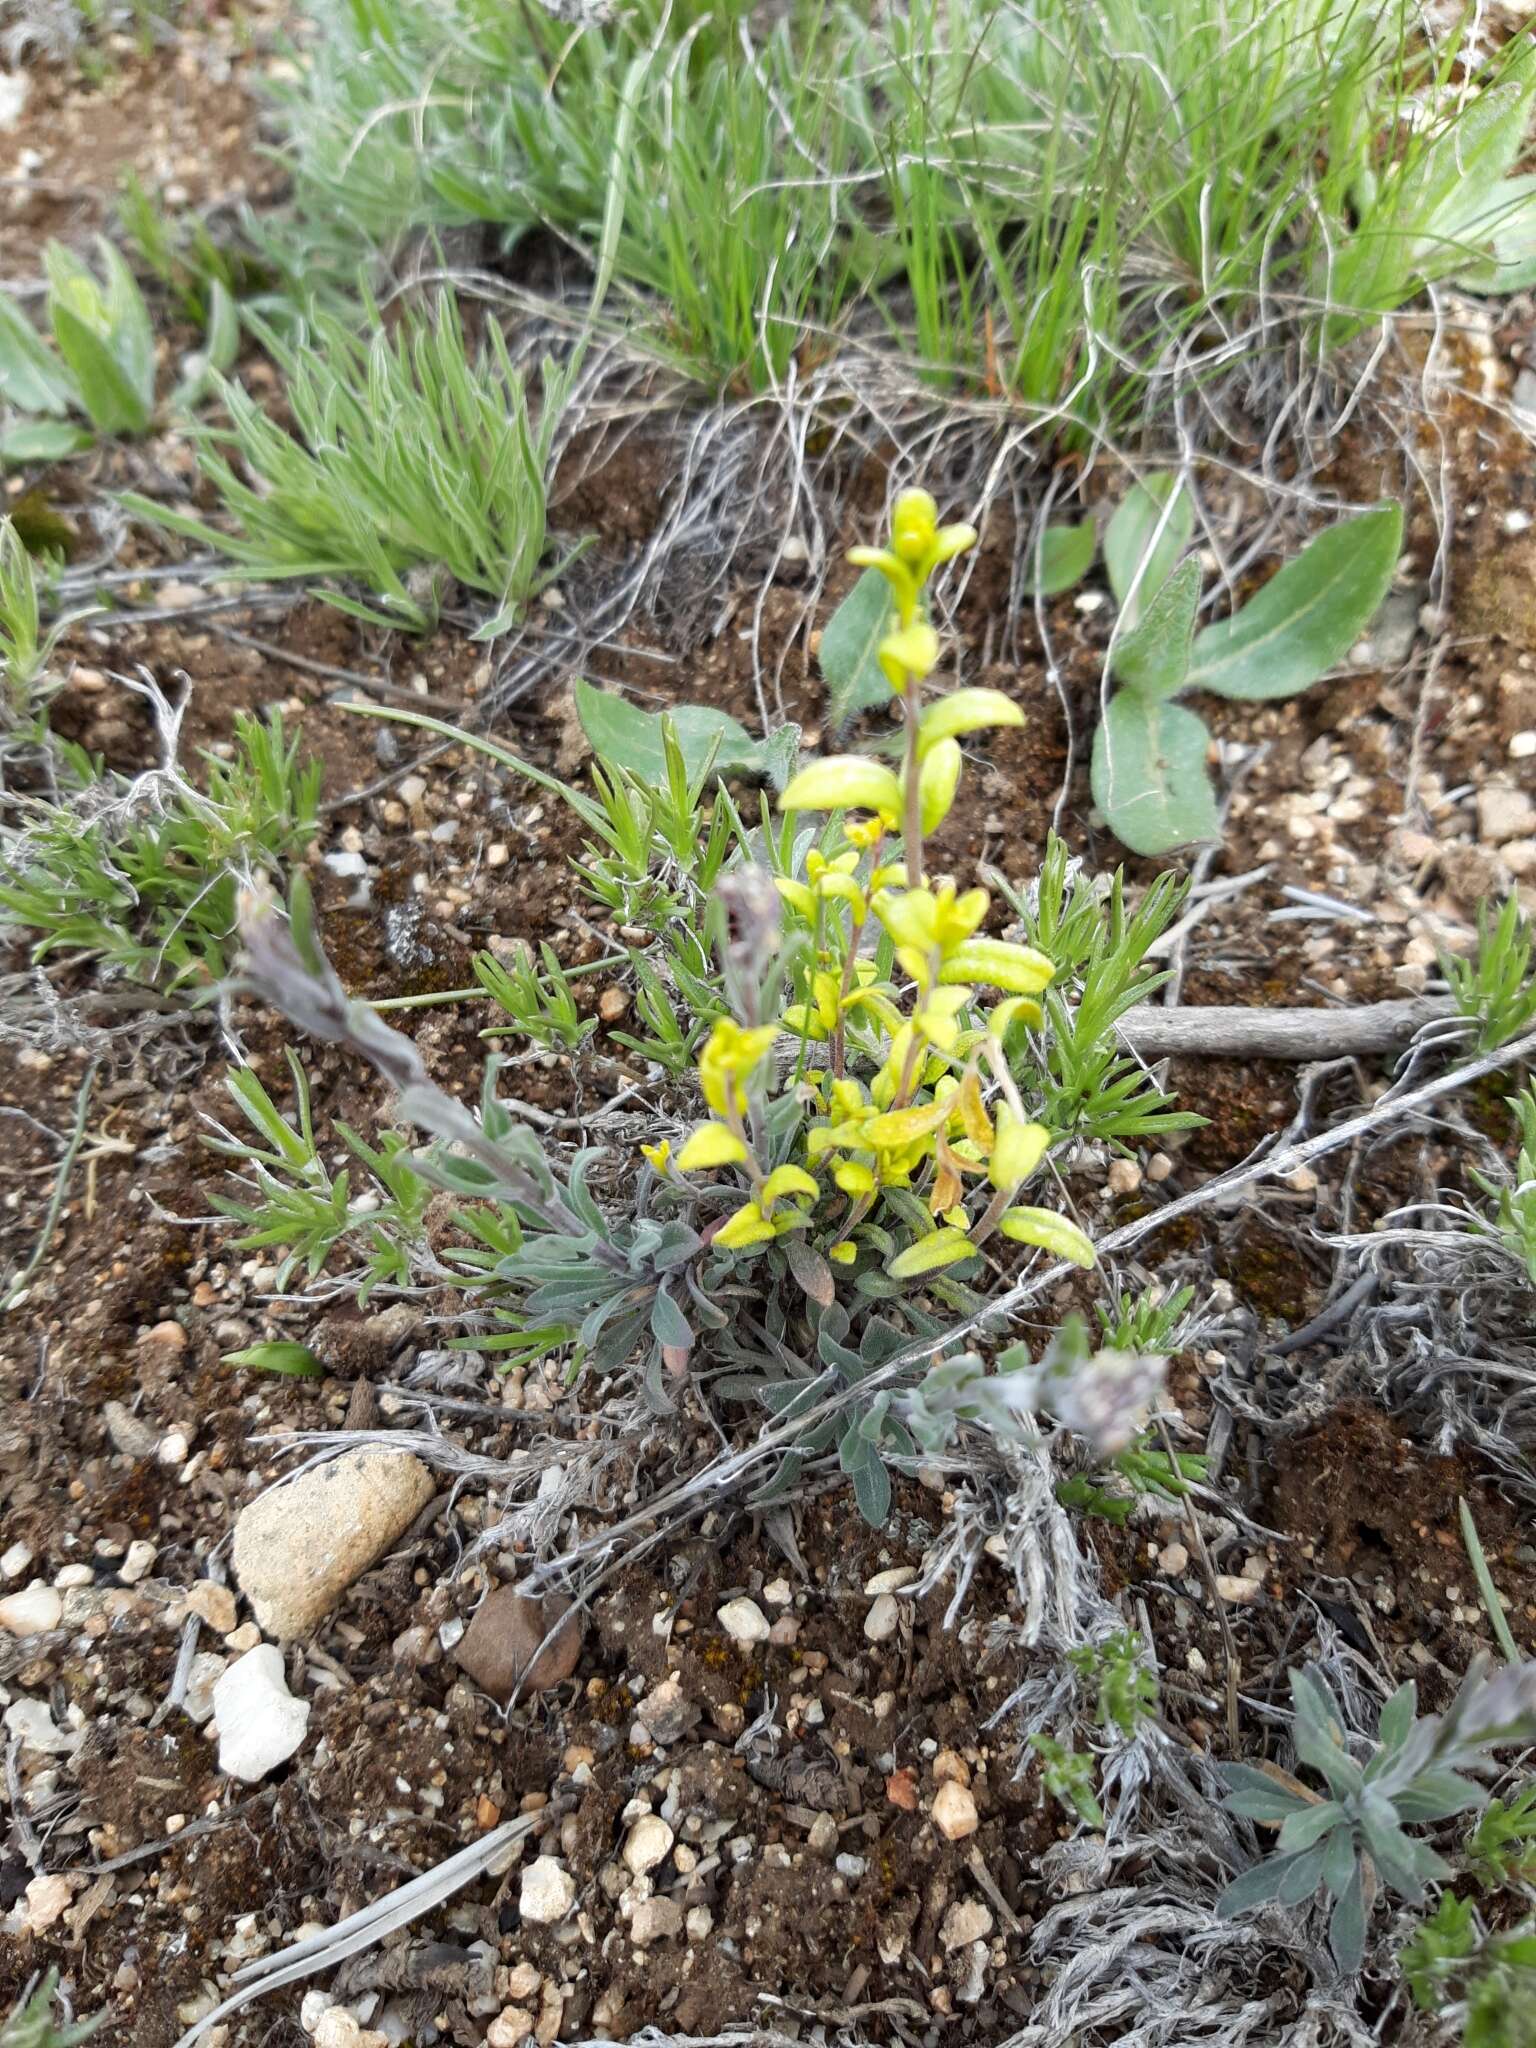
point(954, 1811)
point(299, 1547)
point(214, 1604)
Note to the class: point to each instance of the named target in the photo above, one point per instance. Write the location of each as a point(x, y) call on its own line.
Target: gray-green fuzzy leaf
point(1153, 657)
point(621, 732)
point(1307, 617)
point(1151, 528)
point(1062, 558)
point(1149, 775)
point(849, 662)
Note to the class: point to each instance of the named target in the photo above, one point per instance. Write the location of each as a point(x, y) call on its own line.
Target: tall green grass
point(1049, 201)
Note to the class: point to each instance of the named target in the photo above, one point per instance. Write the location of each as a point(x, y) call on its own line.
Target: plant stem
point(912, 828)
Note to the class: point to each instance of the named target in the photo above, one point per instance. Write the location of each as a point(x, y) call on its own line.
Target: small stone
point(33, 1726)
point(1237, 1591)
point(501, 1647)
point(548, 1892)
point(138, 1563)
point(261, 1724)
point(613, 1005)
point(15, 1561)
point(1173, 1559)
point(32, 1611)
point(214, 1604)
point(170, 1334)
point(954, 1812)
point(777, 1592)
point(1522, 746)
point(510, 2028)
point(47, 1900)
point(966, 1921)
point(883, 1618)
point(890, 1582)
point(901, 1790)
point(1123, 1177)
point(655, 1920)
point(412, 788)
point(174, 1448)
point(73, 1576)
point(299, 1547)
point(666, 1713)
point(851, 1867)
point(822, 1837)
point(649, 1842)
point(337, 2028)
point(1504, 813)
point(743, 1621)
point(1159, 1167)
point(130, 1435)
point(950, 1767)
point(699, 1923)
point(207, 1668)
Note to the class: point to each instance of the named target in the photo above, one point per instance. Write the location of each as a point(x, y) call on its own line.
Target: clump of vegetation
point(33, 2022)
point(142, 873)
point(1480, 1982)
point(1354, 1840)
point(411, 467)
point(880, 1082)
point(1069, 209)
point(1494, 987)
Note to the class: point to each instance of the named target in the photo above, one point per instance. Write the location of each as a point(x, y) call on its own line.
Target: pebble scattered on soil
point(260, 1723)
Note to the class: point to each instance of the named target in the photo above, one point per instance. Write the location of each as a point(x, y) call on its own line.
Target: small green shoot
point(1495, 989)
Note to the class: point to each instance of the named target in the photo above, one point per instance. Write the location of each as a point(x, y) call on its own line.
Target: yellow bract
point(658, 1155)
point(844, 782)
point(1017, 1149)
point(943, 1247)
point(909, 651)
point(785, 1180)
point(964, 711)
point(731, 1054)
point(747, 1225)
point(1052, 1233)
point(937, 781)
point(711, 1145)
point(998, 963)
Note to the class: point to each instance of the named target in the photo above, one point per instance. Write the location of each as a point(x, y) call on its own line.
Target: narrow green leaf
point(107, 394)
point(1062, 559)
point(1149, 775)
point(1153, 657)
point(1307, 617)
point(1152, 526)
point(291, 1361)
point(621, 732)
point(855, 680)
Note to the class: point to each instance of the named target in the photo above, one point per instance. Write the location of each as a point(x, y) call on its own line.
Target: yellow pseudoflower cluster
point(938, 1107)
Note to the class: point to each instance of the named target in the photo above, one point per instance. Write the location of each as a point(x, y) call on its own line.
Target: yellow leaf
point(1052, 1233)
point(1000, 964)
point(898, 1127)
point(964, 711)
point(748, 1225)
point(711, 1145)
point(797, 896)
point(937, 781)
point(1017, 1150)
point(785, 1180)
point(853, 1178)
point(941, 1248)
point(844, 782)
point(845, 1252)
